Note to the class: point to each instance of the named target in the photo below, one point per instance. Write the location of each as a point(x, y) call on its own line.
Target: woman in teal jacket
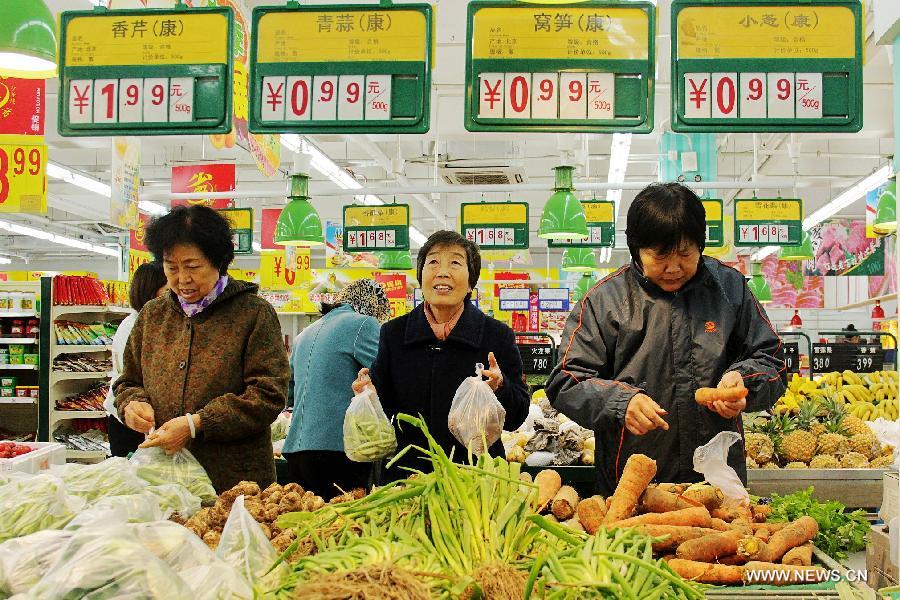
point(325, 360)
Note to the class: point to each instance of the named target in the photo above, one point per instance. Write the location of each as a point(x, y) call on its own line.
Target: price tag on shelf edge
point(792, 356)
point(514, 299)
point(537, 359)
point(858, 358)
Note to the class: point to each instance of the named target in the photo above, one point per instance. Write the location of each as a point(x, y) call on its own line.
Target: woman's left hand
point(729, 410)
point(172, 436)
point(493, 373)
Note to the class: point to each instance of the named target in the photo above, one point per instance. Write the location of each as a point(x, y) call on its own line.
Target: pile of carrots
point(702, 536)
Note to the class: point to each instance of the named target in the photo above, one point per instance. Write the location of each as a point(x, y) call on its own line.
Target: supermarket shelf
point(28, 340)
point(57, 311)
point(5, 367)
point(20, 315)
point(18, 400)
point(85, 454)
point(57, 376)
point(65, 415)
point(73, 348)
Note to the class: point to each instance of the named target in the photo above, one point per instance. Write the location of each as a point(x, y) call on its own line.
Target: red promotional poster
point(394, 285)
point(204, 178)
point(136, 240)
point(267, 235)
point(22, 106)
point(534, 316)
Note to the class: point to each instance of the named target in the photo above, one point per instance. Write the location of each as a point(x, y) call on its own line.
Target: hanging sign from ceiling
point(374, 228)
point(341, 69)
point(601, 224)
point(23, 174)
point(579, 66)
point(145, 72)
point(241, 221)
point(495, 225)
point(715, 227)
point(775, 222)
point(758, 65)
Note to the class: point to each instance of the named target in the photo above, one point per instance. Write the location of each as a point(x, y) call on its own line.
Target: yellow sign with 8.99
point(23, 176)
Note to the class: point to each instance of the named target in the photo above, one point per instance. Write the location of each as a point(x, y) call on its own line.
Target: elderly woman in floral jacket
point(205, 367)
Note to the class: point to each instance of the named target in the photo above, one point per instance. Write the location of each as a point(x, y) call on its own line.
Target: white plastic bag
point(174, 544)
point(25, 560)
point(368, 434)
point(34, 504)
point(112, 477)
point(246, 548)
point(174, 498)
point(156, 467)
point(711, 460)
point(476, 416)
point(216, 581)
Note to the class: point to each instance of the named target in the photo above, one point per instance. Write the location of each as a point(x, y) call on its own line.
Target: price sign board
point(859, 358)
point(341, 69)
point(146, 72)
point(372, 228)
point(495, 225)
point(601, 223)
point(763, 65)
point(241, 221)
point(537, 359)
point(715, 224)
point(775, 222)
point(514, 299)
point(571, 67)
point(281, 270)
point(792, 356)
point(23, 175)
point(553, 299)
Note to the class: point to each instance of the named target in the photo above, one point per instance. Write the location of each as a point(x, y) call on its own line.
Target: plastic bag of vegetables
point(216, 581)
point(34, 504)
point(476, 416)
point(174, 544)
point(174, 498)
point(25, 560)
point(156, 467)
point(130, 508)
point(246, 548)
point(368, 434)
point(111, 477)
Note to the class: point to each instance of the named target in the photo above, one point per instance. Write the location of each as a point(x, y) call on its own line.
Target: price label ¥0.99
point(23, 177)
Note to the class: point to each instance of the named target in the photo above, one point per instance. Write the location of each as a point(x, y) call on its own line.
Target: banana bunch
point(868, 396)
point(869, 412)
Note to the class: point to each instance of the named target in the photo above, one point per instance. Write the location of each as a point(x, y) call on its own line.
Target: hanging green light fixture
point(583, 286)
point(802, 252)
point(299, 223)
point(578, 260)
point(27, 40)
point(758, 285)
point(563, 216)
point(886, 214)
point(394, 260)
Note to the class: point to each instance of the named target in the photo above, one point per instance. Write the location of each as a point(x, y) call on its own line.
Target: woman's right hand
point(139, 416)
point(643, 415)
point(363, 382)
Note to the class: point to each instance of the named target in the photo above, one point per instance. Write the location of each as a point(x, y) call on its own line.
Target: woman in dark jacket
point(425, 355)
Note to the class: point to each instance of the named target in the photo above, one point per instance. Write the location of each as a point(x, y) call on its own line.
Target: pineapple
point(798, 445)
point(866, 444)
point(824, 461)
point(833, 441)
point(796, 465)
point(759, 446)
point(854, 460)
point(853, 425)
point(817, 429)
point(771, 465)
point(882, 462)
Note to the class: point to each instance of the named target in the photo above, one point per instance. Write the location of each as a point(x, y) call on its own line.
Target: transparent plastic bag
point(246, 548)
point(476, 416)
point(35, 504)
point(711, 460)
point(112, 477)
point(174, 498)
point(130, 508)
point(216, 581)
point(156, 467)
point(174, 544)
point(368, 434)
point(24, 561)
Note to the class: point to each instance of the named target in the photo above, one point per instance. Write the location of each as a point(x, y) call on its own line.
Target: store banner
point(882, 286)
point(138, 253)
point(23, 174)
point(790, 287)
point(269, 220)
point(534, 315)
point(394, 285)
point(281, 270)
point(126, 181)
point(840, 247)
point(204, 178)
point(22, 106)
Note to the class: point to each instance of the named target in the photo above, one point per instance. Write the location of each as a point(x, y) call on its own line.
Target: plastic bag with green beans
point(35, 504)
point(158, 468)
point(476, 416)
point(113, 477)
point(368, 434)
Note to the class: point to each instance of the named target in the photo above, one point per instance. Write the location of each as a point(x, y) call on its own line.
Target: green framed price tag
point(715, 223)
point(146, 72)
point(341, 69)
point(373, 228)
point(241, 221)
point(764, 65)
point(570, 67)
point(774, 222)
point(495, 225)
point(601, 223)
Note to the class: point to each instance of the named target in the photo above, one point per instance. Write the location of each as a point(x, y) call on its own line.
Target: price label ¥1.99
point(23, 178)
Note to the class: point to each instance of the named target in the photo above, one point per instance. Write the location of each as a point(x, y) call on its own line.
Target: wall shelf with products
point(20, 320)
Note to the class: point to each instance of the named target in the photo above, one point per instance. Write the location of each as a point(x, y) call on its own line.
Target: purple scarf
point(195, 308)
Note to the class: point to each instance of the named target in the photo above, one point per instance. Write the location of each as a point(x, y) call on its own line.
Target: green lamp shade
point(299, 225)
point(802, 252)
point(27, 40)
point(886, 214)
point(578, 260)
point(583, 286)
point(760, 288)
point(563, 216)
point(394, 260)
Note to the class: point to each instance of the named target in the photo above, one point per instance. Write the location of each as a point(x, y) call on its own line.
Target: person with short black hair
point(205, 366)
point(645, 338)
point(425, 355)
point(147, 283)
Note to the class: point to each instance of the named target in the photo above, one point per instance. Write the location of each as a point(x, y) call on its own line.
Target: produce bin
point(42, 457)
point(855, 488)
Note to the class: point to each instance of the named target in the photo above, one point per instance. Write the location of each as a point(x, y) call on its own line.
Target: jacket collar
point(702, 277)
point(234, 288)
point(468, 331)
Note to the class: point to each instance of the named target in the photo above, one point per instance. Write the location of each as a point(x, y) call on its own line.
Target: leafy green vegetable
point(840, 532)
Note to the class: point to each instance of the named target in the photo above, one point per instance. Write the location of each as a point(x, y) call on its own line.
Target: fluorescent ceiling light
point(56, 238)
point(416, 237)
point(86, 183)
point(5, 261)
point(327, 167)
point(152, 207)
point(618, 164)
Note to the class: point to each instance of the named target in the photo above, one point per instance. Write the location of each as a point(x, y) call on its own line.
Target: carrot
point(762, 534)
point(730, 513)
point(636, 476)
point(674, 535)
point(709, 496)
point(675, 488)
point(564, 503)
point(761, 512)
point(708, 573)
point(772, 527)
point(800, 556)
point(548, 482)
point(710, 548)
point(795, 534)
point(696, 516)
point(719, 525)
point(590, 513)
point(708, 396)
point(661, 501)
point(732, 559)
point(775, 574)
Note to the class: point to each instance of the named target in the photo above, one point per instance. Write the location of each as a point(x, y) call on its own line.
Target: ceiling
point(822, 165)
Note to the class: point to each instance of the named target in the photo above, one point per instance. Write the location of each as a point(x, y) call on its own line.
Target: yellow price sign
point(23, 177)
point(599, 212)
point(137, 258)
point(147, 38)
point(489, 213)
point(342, 36)
point(565, 33)
point(713, 209)
point(277, 272)
point(767, 31)
point(768, 210)
point(398, 307)
point(376, 216)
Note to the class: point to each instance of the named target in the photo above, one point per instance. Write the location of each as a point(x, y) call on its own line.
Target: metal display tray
point(855, 488)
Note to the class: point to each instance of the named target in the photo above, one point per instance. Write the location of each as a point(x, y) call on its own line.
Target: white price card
point(273, 98)
point(725, 95)
point(81, 101)
point(390, 239)
point(809, 95)
point(753, 96)
point(517, 103)
point(181, 99)
point(156, 100)
point(130, 106)
point(490, 96)
point(544, 95)
point(298, 98)
point(573, 96)
point(325, 98)
point(378, 97)
point(352, 239)
point(379, 240)
point(697, 95)
point(601, 95)
point(780, 95)
point(106, 101)
point(352, 99)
